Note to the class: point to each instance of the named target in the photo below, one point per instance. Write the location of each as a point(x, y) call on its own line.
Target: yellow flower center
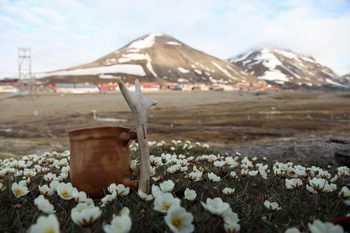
point(49, 230)
point(176, 221)
point(17, 192)
point(166, 206)
point(65, 194)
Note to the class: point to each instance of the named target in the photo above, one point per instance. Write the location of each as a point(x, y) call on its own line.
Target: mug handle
point(132, 136)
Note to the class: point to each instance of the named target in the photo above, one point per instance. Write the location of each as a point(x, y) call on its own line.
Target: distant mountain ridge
point(156, 58)
point(163, 59)
point(286, 68)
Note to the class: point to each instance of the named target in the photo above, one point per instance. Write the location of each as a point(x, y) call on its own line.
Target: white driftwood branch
point(140, 106)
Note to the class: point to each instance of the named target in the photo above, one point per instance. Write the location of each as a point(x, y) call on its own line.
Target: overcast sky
point(63, 33)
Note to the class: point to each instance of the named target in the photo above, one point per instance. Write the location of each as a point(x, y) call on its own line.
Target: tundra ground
point(303, 124)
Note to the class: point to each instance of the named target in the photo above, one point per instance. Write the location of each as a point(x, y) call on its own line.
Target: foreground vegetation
point(194, 189)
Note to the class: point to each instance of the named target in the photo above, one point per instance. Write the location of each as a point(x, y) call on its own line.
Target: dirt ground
point(280, 125)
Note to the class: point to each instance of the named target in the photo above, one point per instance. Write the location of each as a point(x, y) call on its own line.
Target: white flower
point(229, 216)
point(156, 191)
point(253, 173)
point(244, 171)
point(152, 170)
point(293, 183)
point(89, 201)
point(195, 175)
point(300, 170)
point(343, 171)
point(216, 206)
point(119, 224)
point(156, 178)
point(29, 173)
point(109, 198)
point(124, 211)
point(190, 194)
point(228, 191)
point(46, 190)
point(164, 202)
point(322, 185)
point(262, 170)
point(62, 176)
point(65, 190)
point(232, 227)
point(310, 189)
point(80, 196)
point(214, 178)
point(156, 161)
point(344, 193)
point(54, 184)
point(2, 186)
point(133, 165)
point(167, 186)
point(179, 220)
point(84, 214)
point(24, 182)
point(233, 174)
point(50, 177)
point(19, 190)
point(122, 190)
point(334, 179)
point(144, 196)
point(272, 206)
point(44, 205)
point(324, 174)
point(219, 163)
point(112, 188)
point(319, 227)
point(45, 224)
point(173, 169)
point(292, 230)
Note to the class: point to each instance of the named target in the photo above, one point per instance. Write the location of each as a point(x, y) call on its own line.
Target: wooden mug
point(100, 156)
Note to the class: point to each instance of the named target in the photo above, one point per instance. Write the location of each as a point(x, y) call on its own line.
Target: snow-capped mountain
point(286, 68)
point(157, 58)
point(345, 79)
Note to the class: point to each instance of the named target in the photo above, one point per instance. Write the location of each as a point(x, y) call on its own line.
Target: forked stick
point(140, 106)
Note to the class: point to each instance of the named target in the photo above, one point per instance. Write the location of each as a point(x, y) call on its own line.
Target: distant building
point(150, 87)
point(7, 86)
point(8, 89)
point(79, 88)
point(108, 88)
point(223, 87)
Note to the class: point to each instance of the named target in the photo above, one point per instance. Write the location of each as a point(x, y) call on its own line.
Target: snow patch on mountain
point(269, 59)
point(146, 42)
point(150, 68)
point(173, 43)
point(330, 81)
point(133, 57)
point(222, 70)
point(183, 70)
point(199, 72)
point(287, 54)
point(274, 76)
point(241, 57)
point(119, 68)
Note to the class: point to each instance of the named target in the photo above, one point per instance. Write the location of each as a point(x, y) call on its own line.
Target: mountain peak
point(158, 57)
point(149, 40)
point(284, 67)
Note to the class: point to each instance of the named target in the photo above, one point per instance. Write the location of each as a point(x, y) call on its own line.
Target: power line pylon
point(26, 79)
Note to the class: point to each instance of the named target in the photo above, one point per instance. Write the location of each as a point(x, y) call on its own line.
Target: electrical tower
point(26, 83)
